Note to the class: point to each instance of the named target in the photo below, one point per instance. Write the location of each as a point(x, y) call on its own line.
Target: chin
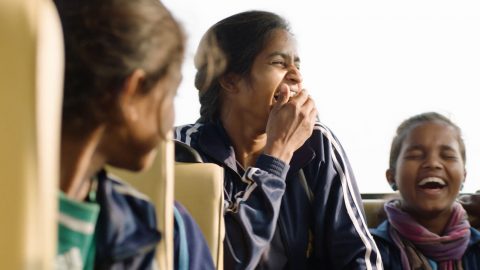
point(147, 160)
point(137, 163)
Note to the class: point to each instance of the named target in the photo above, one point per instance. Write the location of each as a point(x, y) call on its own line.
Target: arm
point(251, 217)
point(190, 247)
point(341, 229)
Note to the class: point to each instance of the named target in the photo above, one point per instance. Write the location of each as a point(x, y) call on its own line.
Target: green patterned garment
point(76, 230)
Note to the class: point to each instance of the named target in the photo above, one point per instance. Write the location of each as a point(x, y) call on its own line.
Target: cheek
point(405, 175)
point(459, 174)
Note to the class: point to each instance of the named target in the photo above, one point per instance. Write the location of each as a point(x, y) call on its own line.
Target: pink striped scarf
point(416, 243)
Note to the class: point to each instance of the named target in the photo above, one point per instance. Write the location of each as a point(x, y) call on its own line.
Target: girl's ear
point(390, 175)
point(130, 89)
point(133, 83)
point(229, 83)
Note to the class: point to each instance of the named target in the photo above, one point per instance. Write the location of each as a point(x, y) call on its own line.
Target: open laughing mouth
point(432, 184)
point(292, 93)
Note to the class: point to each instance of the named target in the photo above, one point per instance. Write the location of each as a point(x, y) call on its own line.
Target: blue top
point(126, 232)
point(191, 250)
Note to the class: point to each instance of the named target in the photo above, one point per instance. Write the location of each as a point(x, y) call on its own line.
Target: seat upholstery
point(373, 206)
point(31, 72)
point(374, 211)
point(157, 184)
point(199, 187)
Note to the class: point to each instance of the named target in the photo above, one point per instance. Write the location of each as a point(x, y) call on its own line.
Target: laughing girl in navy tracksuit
point(292, 201)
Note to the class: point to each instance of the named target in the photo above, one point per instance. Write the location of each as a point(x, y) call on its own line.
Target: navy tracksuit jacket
point(271, 222)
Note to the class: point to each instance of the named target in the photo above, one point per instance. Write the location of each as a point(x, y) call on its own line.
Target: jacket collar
point(214, 141)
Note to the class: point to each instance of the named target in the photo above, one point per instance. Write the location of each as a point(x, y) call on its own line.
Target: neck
point(436, 222)
point(79, 162)
point(248, 140)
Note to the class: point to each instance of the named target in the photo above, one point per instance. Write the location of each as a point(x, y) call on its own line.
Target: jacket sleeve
point(251, 216)
point(342, 239)
point(197, 255)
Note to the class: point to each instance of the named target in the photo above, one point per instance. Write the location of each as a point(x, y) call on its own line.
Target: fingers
point(300, 98)
point(302, 101)
point(313, 115)
point(283, 96)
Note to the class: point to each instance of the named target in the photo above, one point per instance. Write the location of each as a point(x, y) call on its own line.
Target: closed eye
point(414, 155)
point(279, 63)
point(449, 156)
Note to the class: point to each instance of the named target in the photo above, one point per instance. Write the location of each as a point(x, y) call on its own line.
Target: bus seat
point(31, 86)
point(199, 187)
point(373, 206)
point(157, 184)
point(373, 209)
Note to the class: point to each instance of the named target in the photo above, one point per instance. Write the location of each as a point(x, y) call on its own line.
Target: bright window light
point(368, 65)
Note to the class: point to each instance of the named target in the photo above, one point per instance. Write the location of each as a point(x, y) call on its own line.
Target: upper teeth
point(432, 179)
point(291, 93)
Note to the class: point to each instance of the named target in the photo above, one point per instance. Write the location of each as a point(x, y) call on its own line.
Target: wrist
point(281, 153)
point(272, 165)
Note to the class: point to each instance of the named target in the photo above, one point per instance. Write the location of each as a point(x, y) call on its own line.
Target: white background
point(369, 65)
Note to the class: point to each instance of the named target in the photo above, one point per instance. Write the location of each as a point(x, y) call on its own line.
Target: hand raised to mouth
point(291, 91)
point(290, 123)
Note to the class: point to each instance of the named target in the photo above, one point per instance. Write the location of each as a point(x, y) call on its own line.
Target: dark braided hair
point(230, 46)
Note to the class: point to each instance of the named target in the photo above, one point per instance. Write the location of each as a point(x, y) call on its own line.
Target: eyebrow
point(447, 148)
point(284, 55)
point(443, 147)
point(414, 147)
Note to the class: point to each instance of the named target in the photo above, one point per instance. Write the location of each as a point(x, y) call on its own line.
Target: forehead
point(432, 134)
point(282, 41)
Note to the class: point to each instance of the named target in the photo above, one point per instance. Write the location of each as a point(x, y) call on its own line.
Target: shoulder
point(119, 196)
point(188, 234)
point(324, 134)
point(471, 258)
point(187, 133)
point(383, 240)
point(325, 144)
point(474, 237)
point(121, 187)
point(388, 250)
point(381, 231)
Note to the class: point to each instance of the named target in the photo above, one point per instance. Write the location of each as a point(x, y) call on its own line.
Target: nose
point(294, 75)
point(432, 162)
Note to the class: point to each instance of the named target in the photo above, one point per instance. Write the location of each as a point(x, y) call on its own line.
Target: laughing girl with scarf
point(426, 228)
